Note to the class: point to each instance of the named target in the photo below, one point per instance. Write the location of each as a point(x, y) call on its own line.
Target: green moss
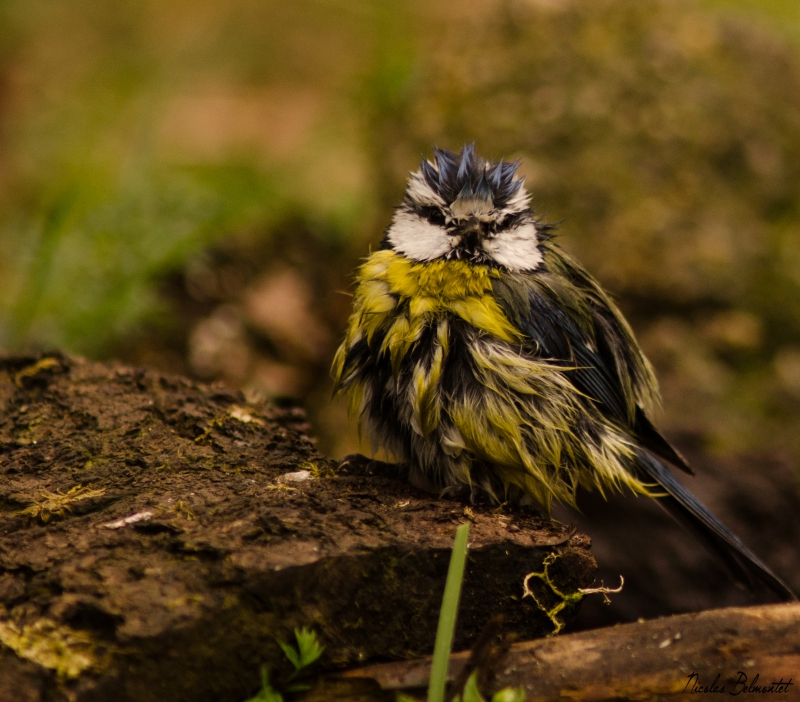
point(58, 504)
point(67, 652)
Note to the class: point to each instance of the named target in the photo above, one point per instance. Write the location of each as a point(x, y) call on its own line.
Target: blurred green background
point(189, 185)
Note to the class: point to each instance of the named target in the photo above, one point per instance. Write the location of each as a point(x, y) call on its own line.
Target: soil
point(160, 536)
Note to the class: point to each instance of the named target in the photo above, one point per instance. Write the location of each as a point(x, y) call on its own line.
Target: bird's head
point(459, 206)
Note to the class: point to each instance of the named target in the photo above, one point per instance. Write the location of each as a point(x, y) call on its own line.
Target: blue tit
point(481, 355)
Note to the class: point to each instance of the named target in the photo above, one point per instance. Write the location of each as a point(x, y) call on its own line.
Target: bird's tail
point(743, 565)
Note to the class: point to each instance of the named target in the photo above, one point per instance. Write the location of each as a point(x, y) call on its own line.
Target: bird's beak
point(471, 234)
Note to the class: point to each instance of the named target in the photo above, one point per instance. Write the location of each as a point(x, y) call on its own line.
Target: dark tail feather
point(652, 440)
point(743, 565)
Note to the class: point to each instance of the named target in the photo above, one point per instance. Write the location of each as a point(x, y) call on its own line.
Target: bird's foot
point(472, 495)
point(359, 464)
point(459, 493)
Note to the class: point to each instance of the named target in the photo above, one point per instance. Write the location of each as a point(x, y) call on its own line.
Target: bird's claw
point(359, 464)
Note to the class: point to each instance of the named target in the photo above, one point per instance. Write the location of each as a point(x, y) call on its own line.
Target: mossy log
point(748, 651)
point(160, 536)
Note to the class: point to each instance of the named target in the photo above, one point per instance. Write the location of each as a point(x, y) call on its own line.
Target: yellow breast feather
point(402, 296)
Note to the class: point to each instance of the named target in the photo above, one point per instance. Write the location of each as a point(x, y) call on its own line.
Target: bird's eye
point(434, 215)
point(509, 221)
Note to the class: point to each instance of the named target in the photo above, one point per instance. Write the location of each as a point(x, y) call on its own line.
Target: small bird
point(483, 357)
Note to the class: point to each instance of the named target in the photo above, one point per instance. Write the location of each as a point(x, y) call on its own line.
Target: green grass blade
point(447, 616)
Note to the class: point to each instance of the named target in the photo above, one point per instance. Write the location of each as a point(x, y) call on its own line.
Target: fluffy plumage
point(481, 355)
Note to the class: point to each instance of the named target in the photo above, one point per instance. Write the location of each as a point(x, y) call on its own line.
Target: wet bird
point(486, 359)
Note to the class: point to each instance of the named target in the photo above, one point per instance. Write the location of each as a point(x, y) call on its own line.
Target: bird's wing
point(569, 319)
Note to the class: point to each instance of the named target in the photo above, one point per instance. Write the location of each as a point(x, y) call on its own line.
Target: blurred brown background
point(189, 185)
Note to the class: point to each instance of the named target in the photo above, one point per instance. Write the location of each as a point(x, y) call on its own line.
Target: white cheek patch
point(519, 202)
point(417, 238)
point(516, 249)
point(422, 193)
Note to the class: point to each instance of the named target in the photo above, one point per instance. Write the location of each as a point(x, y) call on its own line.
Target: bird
point(484, 358)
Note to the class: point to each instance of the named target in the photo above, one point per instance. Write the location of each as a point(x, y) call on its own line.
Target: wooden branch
point(739, 649)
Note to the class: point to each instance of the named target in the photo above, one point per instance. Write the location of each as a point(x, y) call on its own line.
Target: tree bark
point(160, 536)
point(730, 652)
